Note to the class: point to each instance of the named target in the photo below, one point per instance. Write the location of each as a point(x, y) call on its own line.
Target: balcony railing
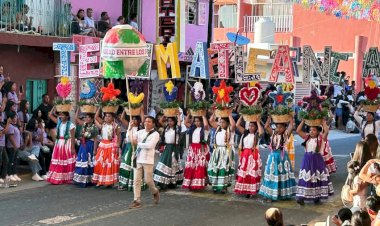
point(43, 17)
point(284, 23)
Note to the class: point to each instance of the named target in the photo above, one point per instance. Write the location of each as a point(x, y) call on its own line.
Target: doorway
point(129, 7)
point(34, 91)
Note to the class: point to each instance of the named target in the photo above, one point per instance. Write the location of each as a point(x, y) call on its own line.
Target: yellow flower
point(169, 86)
point(65, 80)
point(221, 93)
point(372, 84)
point(135, 99)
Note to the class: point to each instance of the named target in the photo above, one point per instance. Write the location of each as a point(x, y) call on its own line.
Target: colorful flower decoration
point(249, 95)
point(287, 87)
point(135, 99)
point(137, 86)
point(109, 92)
point(170, 91)
point(371, 90)
point(197, 92)
point(64, 87)
point(314, 101)
point(88, 90)
point(222, 92)
point(279, 97)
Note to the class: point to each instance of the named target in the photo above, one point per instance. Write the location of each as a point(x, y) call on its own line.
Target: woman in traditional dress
point(126, 169)
point(107, 156)
point(62, 166)
point(249, 172)
point(314, 180)
point(279, 182)
point(198, 155)
point(328, 158)
point(169, 172)
point(84, 167)
point(221, 167)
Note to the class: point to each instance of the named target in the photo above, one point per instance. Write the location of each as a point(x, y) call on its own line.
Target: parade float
point(199, 106)
point(249, 97)
point(63, 89)
point(222, 106)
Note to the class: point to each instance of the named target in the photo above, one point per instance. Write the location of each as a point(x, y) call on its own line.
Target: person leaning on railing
point(7, 20)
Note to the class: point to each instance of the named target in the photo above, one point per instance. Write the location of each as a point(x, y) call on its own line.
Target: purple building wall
point(114, 10)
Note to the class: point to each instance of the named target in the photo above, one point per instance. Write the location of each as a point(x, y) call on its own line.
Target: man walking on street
point(143, 161)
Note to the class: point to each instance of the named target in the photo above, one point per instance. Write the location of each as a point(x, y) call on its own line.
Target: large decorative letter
point(199, 66)
point(163, 56)
point(282, 64)
point(223, 58)
point(371, 63)
point(64, 49)
point(85, 60)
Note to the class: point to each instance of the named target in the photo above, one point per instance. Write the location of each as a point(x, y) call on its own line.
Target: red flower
point(109, 92)
point(222, 92)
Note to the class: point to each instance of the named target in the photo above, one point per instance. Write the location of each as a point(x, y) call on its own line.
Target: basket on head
point(280, 118)
point(250, 118)
point(370, 108)
point(110, 109)
point(133, 112)
point(225, 113)
point(88, 109)
point(64, 107)
point(170, 112)
point(198, 113)
point(313, 122)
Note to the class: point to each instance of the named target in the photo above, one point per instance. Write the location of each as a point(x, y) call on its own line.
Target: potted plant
point(249, 97)
point(110, 102)
point(171, 107)
point(222, 105)
point(199, 106)
point(63, 89)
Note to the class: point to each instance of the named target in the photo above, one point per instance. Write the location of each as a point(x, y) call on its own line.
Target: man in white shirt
point(367, 126)
point(146, 142)
point(133, 21)
point(88, 19)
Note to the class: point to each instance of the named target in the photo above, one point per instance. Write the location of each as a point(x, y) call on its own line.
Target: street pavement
point(39, 203)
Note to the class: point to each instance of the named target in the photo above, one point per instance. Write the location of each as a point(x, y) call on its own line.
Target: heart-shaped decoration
point(249, 95)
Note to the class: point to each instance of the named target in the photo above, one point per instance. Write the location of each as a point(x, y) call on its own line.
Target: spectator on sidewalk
point(343, 217)
point(120, 20)
point(104, 24)
point(133, 21)
point(45, 107)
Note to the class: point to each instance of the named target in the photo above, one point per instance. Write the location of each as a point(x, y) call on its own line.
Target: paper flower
point(249, 95)
point(135, 99)
point(314, 101)
point(222, 92)
point(371, 90)
point(64, 87)
point(170, 91)
point(197, 92)
point(109, 92)
point(137, 86)
point(279, 97)
point(88, 90)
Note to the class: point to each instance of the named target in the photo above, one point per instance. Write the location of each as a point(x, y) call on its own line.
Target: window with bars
point(191, 11)
point(225, 16)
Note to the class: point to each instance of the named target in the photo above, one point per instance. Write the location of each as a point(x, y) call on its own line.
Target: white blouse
point(107, 132)
point(249, 141)
point(133, 134)
point(220, 138)
point(62, 128)
point(311, 144)
point(196, 138)
point(170, 135)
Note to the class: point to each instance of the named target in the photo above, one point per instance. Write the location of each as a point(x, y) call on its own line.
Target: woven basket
point(110, 109)
point(280, 118)
point(223, 113)
point(88, 109)
point(64, 107)
point(313, 122)
point(170, 112)
point(198, 113)
point(133, 112)
point(370, 108)
point(250, 118)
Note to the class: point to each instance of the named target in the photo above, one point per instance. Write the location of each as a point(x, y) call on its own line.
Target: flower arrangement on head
point(315, 112)
point(110, 102)
point(63, 89)
point(171, 106)
point(88, 91)
point(199, 105)
point(371, 92)
point(222, 99)
point(135, 98)
point(280, 112)
point(249, 97)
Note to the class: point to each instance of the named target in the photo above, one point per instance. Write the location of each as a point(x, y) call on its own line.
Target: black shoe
point(248, 196)
point(317, 201)
point(301, 202)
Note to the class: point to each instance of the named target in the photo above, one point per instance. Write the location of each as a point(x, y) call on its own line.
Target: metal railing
point(284, 23)
point(43, 17)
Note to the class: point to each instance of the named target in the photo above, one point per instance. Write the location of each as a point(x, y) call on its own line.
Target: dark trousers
point(12, 156)
point(3, 162)
point(44, 159)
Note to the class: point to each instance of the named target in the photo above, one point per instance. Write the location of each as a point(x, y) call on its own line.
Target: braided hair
point(192, 129)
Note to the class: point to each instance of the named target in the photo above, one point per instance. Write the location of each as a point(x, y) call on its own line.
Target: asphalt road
point(34, 203)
